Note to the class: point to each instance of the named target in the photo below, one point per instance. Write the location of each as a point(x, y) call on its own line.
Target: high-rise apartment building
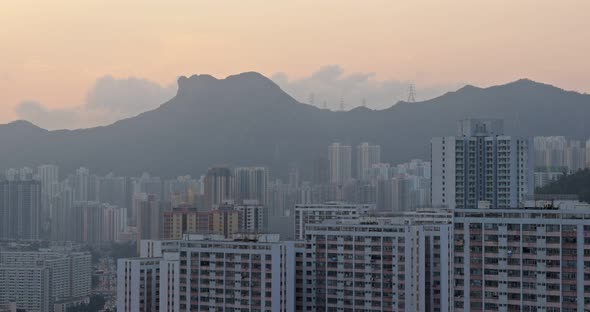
point(138, 283)
point(80, 184)
point(94, 222)
point(556, 153)
point(184, 220)
point(251, 183)
point(219, 187)
point(37, 280)
point(366, 156)
point(481, 164)
point(575, 156)
point(398, 263)
point(550, 151)
point(149, 218)
point(253, 216)
point(339, 157)
point(112, 190)
point(225, 220)
point(377, 264)
point(209, 273)
point(49, 177)
point(20, 209)
point(62, 217)
point(534, 259)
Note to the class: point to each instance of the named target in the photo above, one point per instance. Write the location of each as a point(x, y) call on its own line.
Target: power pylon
point(412, 94)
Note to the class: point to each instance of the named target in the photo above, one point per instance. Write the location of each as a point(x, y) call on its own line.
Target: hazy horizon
point(64, 57)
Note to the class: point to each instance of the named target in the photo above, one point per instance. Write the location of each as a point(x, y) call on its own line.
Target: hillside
point(247, 119)
point(577, 183)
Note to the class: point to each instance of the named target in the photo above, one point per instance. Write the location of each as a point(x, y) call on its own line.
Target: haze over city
point(282, 156)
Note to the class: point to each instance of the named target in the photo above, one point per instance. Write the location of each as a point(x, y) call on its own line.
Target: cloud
point(108, 100)
point(330, 85)
point(47, 118)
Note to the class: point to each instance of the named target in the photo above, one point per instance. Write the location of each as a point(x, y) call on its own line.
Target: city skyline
point(376, 232)
point(337, 155)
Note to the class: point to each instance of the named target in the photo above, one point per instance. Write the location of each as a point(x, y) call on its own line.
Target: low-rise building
point(318, 213)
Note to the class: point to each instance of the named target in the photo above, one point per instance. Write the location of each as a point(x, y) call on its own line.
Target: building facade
point(340, 161)
point(481, 164)
point(37, 280)
point(318, 213)
point(225, 220)
point(210, 273)
point(251, 183)
point(20, 209)
point(533, 259)
point(218, 187)
point(184, 220)
point(377, 264)
point(366, 156)
point(253, 216)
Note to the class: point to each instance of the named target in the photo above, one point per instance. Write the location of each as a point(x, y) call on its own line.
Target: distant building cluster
point(481, 165)
point(556, 156)
point(462, 231)
point(44, 280)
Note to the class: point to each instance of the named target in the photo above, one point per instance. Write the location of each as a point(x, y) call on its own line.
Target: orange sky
point(53, 51)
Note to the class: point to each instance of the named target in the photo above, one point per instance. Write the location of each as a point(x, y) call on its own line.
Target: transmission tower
point(412, 94)
point(341, 103)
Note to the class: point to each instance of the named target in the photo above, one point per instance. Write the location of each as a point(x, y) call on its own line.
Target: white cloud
point(330, 85)
point(46, 118)
point(107, 101)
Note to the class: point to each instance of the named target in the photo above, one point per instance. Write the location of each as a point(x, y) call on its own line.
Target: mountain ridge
point(246, 119)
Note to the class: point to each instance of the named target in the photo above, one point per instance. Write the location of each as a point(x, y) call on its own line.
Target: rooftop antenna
point(412, 93)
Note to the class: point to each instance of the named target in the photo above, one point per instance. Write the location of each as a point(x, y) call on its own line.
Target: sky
point(69, 64)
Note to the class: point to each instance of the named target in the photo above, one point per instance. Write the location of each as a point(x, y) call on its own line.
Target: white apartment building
point(533, 259)
point(36, 280)
point(481, 164)
point(340, 159)
point(253, 216)
point(399, 263)
point(251, 183)
point(210, 273)
point(366, 156)
point(147, 284)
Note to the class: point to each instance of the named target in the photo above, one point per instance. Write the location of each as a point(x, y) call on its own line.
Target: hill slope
point(577, 183)
point(246, 119)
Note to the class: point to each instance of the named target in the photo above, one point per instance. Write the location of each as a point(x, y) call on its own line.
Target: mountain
point(247, 119)
point(577, 183)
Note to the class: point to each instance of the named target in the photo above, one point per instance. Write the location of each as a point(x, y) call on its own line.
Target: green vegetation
point(577, 183)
